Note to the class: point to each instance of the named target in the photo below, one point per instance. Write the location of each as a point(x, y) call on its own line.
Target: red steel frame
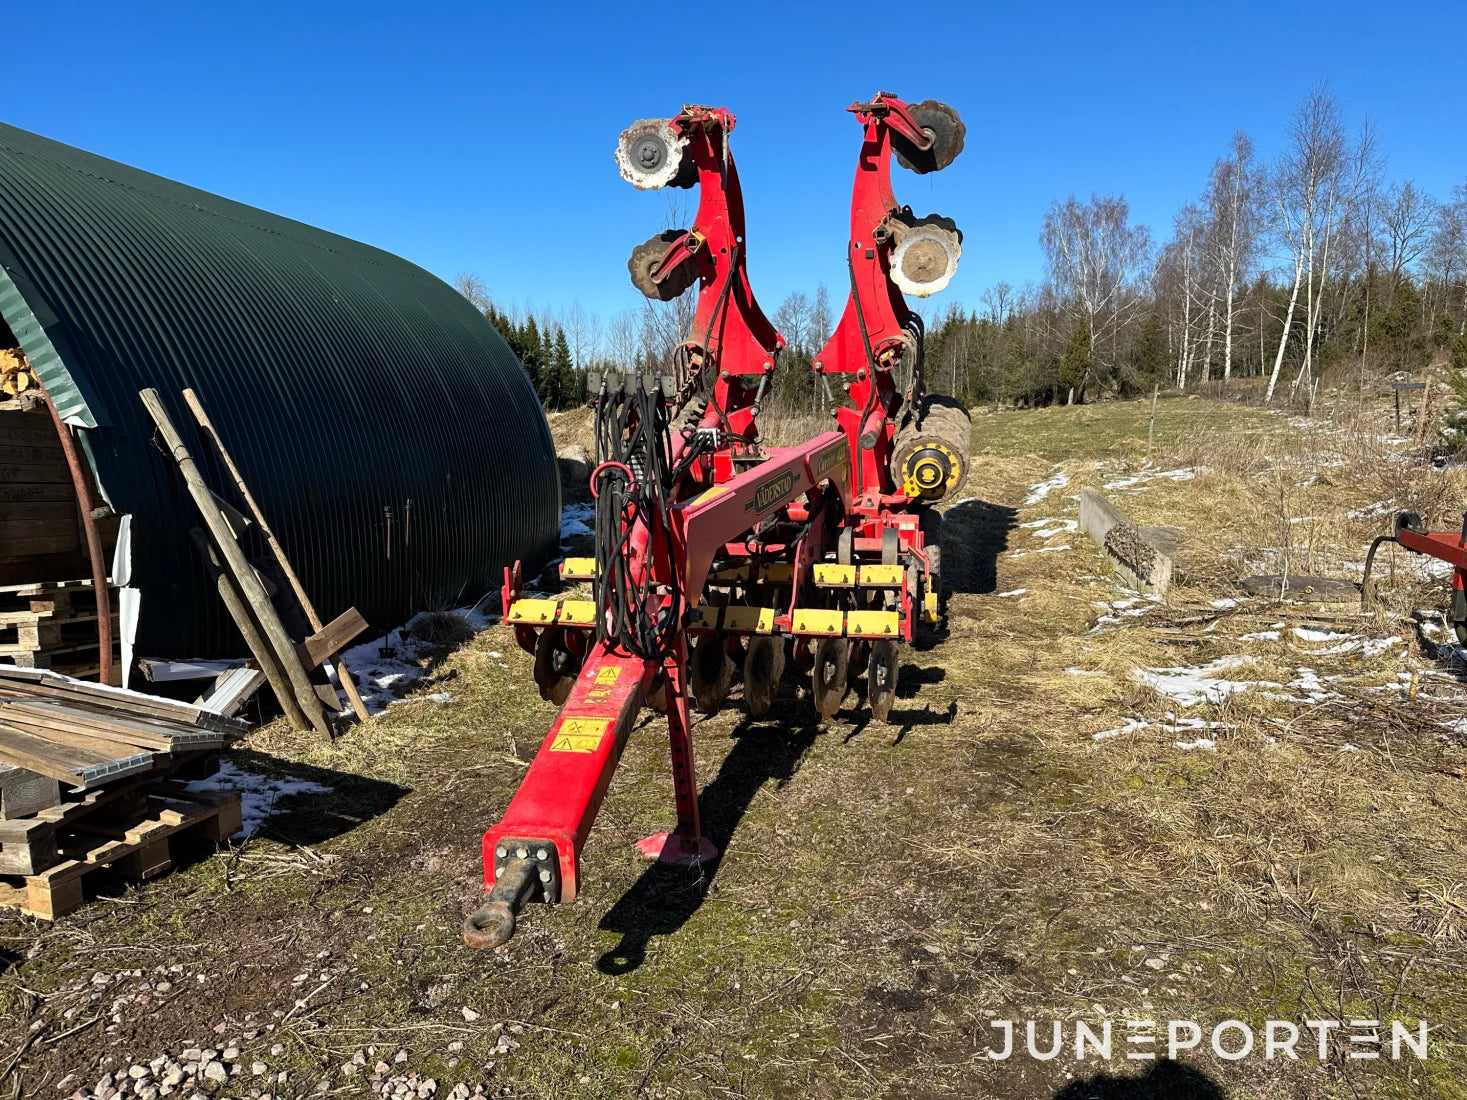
point(1447, 546)
point(720, 498)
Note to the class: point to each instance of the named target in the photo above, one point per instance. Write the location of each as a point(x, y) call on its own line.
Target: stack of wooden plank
point(88, 780)
point(84, 734)
point(52, 624)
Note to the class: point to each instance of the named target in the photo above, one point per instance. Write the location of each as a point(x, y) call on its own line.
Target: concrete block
point(1133, 551)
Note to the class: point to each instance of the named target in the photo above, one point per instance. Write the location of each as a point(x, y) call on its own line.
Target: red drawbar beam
point(1444, 545)
point(561, 793)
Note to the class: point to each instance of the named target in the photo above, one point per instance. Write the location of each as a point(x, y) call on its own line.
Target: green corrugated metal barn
point(386, 429)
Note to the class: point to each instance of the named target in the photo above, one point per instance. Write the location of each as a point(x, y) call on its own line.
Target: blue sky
point(472, 136)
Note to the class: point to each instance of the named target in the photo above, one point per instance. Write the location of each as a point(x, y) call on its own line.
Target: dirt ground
point(1049, 829)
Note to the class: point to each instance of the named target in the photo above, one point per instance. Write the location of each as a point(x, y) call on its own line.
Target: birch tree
point(1179, 272)
point(1448, 254)
point(1094, 254)
point(1407, 215)
point(1316, 187)
point(1232, 230)
point(583, 329)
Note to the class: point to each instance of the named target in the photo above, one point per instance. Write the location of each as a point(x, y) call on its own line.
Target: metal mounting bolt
point(542, 854)
point(522, 853)
point(544, 876)
point(501, 851)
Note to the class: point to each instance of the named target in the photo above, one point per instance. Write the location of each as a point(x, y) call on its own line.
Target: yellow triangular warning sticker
point(579, 735)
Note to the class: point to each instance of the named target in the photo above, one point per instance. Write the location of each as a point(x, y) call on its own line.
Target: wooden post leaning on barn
point(239, 611)
point(239, 568)
point(101, 569)
point(343, 674)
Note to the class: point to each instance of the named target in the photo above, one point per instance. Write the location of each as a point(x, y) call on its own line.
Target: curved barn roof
point(386, 429)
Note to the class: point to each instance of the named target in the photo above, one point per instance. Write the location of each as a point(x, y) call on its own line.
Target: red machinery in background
point(718, 556)
point(1448, 546)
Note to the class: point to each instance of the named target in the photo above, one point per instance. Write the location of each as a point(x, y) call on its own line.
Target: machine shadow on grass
point(664, 897)
point(974, 534)
point(910, 680)
point(1165, 1080)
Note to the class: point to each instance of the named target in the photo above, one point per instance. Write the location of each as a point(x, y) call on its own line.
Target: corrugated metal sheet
point(385, 427)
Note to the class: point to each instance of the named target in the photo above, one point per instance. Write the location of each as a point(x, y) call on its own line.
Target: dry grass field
point(1086, 806)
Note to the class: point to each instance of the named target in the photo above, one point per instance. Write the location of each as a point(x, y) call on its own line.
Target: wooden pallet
point(26, 634)
point(134, 849)
point(29, 845)
point(51, 624)
point(41, 598)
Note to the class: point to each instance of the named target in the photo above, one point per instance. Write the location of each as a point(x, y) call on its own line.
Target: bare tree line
point(1277, 271)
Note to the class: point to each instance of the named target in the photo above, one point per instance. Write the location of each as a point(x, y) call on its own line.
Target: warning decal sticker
point(580, 735)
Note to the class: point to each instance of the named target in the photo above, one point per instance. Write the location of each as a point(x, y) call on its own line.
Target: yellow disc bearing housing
point(927, 472)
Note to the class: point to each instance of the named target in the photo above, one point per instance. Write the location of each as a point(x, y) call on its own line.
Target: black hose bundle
point(634, 477)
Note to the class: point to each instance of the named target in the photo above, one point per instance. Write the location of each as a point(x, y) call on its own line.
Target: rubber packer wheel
point(947, 131)
point(645, 257)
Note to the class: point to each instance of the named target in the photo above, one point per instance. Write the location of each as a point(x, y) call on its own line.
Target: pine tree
point(562, 375)
point(1151, 357)
point(1075, 365)
point(532, 357)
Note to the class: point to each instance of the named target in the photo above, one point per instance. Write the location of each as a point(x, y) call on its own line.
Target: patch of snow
point(1171, 725)
point(1121, 483)
point(1374, 648)
point(1118, 610)
point(1130, 725)
point(1224, 603)
point(576, 520)
point(258, 793)
point(1260, 636)
point(1053, 549)
point(1038, 492)
point(1311, 685)
point(1197, 684)
point(1012, 592)
point(1305, 634)
point(385, 667)
point(1064, 527)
